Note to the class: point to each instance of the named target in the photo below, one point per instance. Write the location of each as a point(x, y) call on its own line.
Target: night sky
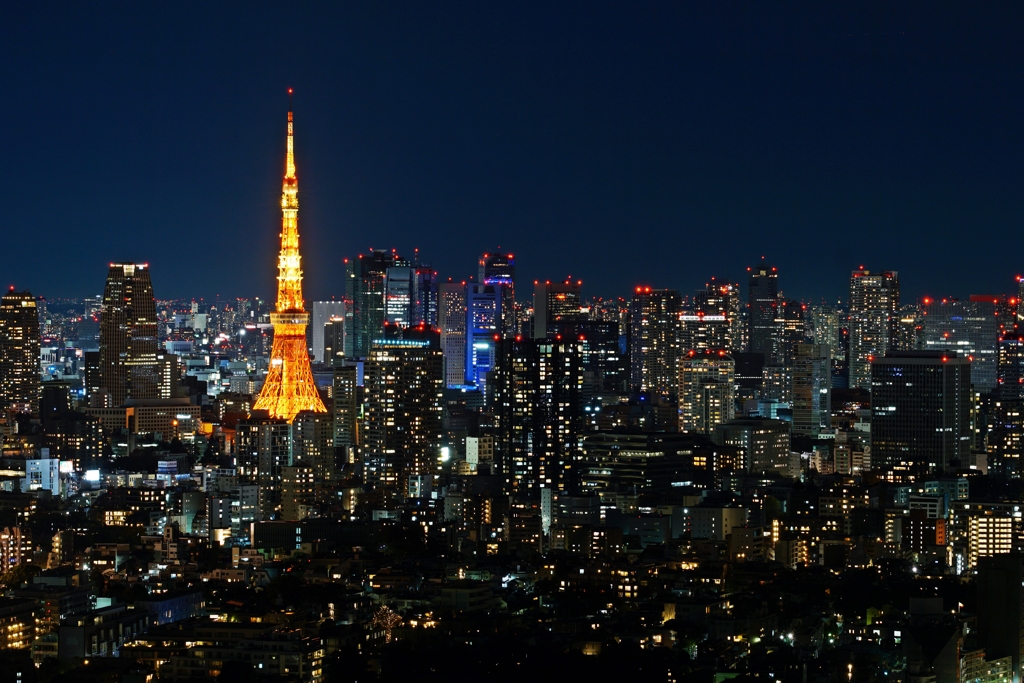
point(642, 142)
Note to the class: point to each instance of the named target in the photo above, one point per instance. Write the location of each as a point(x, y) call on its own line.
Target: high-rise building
point(345, 399)
point(812, 382)
point(399, 294)
point(910, 328)
point(721, 298)
point(762, 302)
point(554, 302)
point(19, 353)
point(792, 329)
point(402, 430)
point(483, 330)
point(765, 443)
point(323, 313)
point(128, 335)
point(874, 302)
point(313, 447)
point(334, 341)
point(452, 324)
point(1005, 433)
point(825, 330)
point(264, 444)
point(537, 396)
point(499, 270)
point(707, 396)
point(654, 341)
point(1020, 298)
point(1000, 608)
point(700, 331)
point(920, 411)
point(289, 387)
point(365, 290)
point(1010, 366)
point(424, 305)
point(971, 328)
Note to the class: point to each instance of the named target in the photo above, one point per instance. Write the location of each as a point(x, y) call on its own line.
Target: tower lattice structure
point(289, 388)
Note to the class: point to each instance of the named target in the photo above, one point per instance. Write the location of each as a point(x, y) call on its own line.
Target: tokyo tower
point(289, 388)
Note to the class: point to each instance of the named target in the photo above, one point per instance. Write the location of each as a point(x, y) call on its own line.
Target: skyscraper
point(402, 431)
point(971, 328)
point(1001, 608)
point(452, 323)
point(483, 330)
point(654, 341)
point(874, 302)
point(399, 294)
point(812, 381)
point(1010, 366)
point(499, 270)
point(554, 302)
point(324, 312)
point(825, 330)
point(762, 301)
point(707, 396)
point(128, 335)
point(365, 289)
point(424, 305)
point(722, 298)
point(264, 445)
point(537, 396)
point(289, 387)
point(19, 353)
point(920, 411)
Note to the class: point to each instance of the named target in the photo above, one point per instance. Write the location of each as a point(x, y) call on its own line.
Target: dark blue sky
point(656, 143)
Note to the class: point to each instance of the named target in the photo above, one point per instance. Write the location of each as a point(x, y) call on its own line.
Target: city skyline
point(617, 180)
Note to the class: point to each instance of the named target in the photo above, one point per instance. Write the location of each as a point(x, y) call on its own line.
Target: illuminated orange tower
point(289, 388)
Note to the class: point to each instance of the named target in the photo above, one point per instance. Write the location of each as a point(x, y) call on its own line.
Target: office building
point(874, 302)
point(424, 303)
point(483, 329)
point(765, 443)
point(1000, 610)
point(537, 397)
point(920, 411)
point(706, 391)
point(334, 341)
point(365, 278)
point(499, 270)
point(971, 328)
point(1010, 366)
point(402, 430)
point(313, 448)
point(264, 446)
point(128, 336)
point(989, 533)
point(324, 312)
point(554, 302)
point(451, 319)
point(345, 404)
point(812, 382)
point(791, 326)
point(826, 326)
point(399, 294)
point(910, 328)
point(654, 341)
point(19, 353)
point(762, 305)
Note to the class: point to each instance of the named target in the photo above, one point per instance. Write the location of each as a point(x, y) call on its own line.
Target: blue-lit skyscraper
point(483, 329)
point(499, 270)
